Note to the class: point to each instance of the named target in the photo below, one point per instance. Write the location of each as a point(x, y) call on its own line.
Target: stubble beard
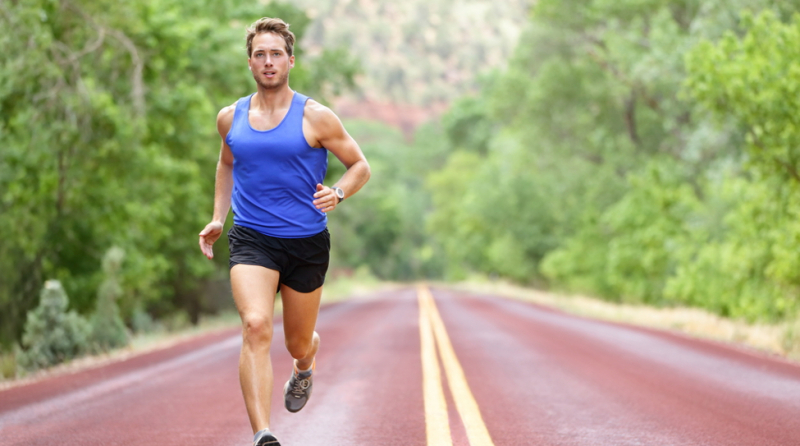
point(275, 84)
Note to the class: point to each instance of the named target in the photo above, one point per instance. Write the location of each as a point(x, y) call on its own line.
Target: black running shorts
point(302, 262)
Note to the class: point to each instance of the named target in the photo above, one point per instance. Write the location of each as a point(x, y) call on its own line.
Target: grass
point(781, 338)
point(359, 283)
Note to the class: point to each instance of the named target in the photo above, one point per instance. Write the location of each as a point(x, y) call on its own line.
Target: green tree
point(749, 268)
point(755, 79)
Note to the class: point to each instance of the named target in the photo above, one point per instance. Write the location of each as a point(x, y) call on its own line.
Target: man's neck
point(271, 98)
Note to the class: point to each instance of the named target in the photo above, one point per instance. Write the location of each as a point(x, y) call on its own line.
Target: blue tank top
point(275, 174)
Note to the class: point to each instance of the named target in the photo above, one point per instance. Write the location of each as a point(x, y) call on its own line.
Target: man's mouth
point(269, 73)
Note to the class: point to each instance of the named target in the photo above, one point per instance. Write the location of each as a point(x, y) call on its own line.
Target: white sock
point(260, 434)
point(307, 371)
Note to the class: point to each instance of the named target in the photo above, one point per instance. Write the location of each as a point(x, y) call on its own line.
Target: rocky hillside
point(417, 55)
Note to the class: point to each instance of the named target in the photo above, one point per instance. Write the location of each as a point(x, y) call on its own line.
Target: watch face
point(339, 193)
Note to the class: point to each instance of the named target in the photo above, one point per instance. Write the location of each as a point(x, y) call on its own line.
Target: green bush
point(143, 322)
point(108, 329)
point(8, 365)
point(52, 334)
point(741, 259)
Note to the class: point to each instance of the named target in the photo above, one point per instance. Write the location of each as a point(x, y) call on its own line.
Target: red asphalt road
point(539, 376)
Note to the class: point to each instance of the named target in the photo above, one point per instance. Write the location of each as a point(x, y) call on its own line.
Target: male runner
point(271, 167)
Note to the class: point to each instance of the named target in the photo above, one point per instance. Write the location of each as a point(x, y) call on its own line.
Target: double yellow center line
point(432, 334)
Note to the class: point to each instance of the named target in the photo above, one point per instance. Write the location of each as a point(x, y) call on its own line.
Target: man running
point(271, 167)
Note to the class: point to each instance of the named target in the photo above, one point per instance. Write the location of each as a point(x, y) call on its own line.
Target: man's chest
point(262, 121)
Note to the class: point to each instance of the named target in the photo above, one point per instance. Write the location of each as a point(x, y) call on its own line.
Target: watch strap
point(339, 193)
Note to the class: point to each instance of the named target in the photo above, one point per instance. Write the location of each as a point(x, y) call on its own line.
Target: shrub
point(52, 334)
point(107, 328)
point(8, 365)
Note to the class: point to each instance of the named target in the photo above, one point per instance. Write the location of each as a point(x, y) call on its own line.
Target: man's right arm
point(223, 185)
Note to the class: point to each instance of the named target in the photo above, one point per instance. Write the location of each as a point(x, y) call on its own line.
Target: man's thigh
point(300, 312)
point(254, 290)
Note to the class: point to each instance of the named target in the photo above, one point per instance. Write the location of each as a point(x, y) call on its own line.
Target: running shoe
point(298, 389)
point(265, 438)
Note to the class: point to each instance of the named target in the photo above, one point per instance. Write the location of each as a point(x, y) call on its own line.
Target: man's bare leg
point(300, 312)
point(254, 293)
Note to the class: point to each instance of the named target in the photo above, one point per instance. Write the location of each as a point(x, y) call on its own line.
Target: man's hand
point(208, 236)
point(325, 198)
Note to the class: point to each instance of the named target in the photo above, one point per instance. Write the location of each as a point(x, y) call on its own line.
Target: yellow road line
point(467, 407)
point(437, 422)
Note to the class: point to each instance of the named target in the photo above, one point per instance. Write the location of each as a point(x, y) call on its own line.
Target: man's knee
point(298, 346)
point(257, 330)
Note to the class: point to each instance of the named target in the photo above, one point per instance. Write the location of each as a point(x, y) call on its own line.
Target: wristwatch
point(339, 193)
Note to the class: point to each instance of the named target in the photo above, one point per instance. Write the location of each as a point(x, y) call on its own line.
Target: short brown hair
point(270, 25)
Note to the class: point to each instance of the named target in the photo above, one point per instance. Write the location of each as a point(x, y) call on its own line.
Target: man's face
point(269, 62)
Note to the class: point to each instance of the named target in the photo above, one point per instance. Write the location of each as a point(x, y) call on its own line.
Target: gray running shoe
point(265, 438)
point(298, 389)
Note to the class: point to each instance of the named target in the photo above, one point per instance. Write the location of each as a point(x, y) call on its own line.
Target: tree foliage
point(640, 151)
point(755, 79)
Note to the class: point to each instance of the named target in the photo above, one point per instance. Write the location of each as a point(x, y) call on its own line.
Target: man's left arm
point(331, 134)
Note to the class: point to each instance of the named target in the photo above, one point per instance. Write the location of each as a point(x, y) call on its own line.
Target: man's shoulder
point(228, 110)
point(226, 113)
point(225, 118)
point(318, 114)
